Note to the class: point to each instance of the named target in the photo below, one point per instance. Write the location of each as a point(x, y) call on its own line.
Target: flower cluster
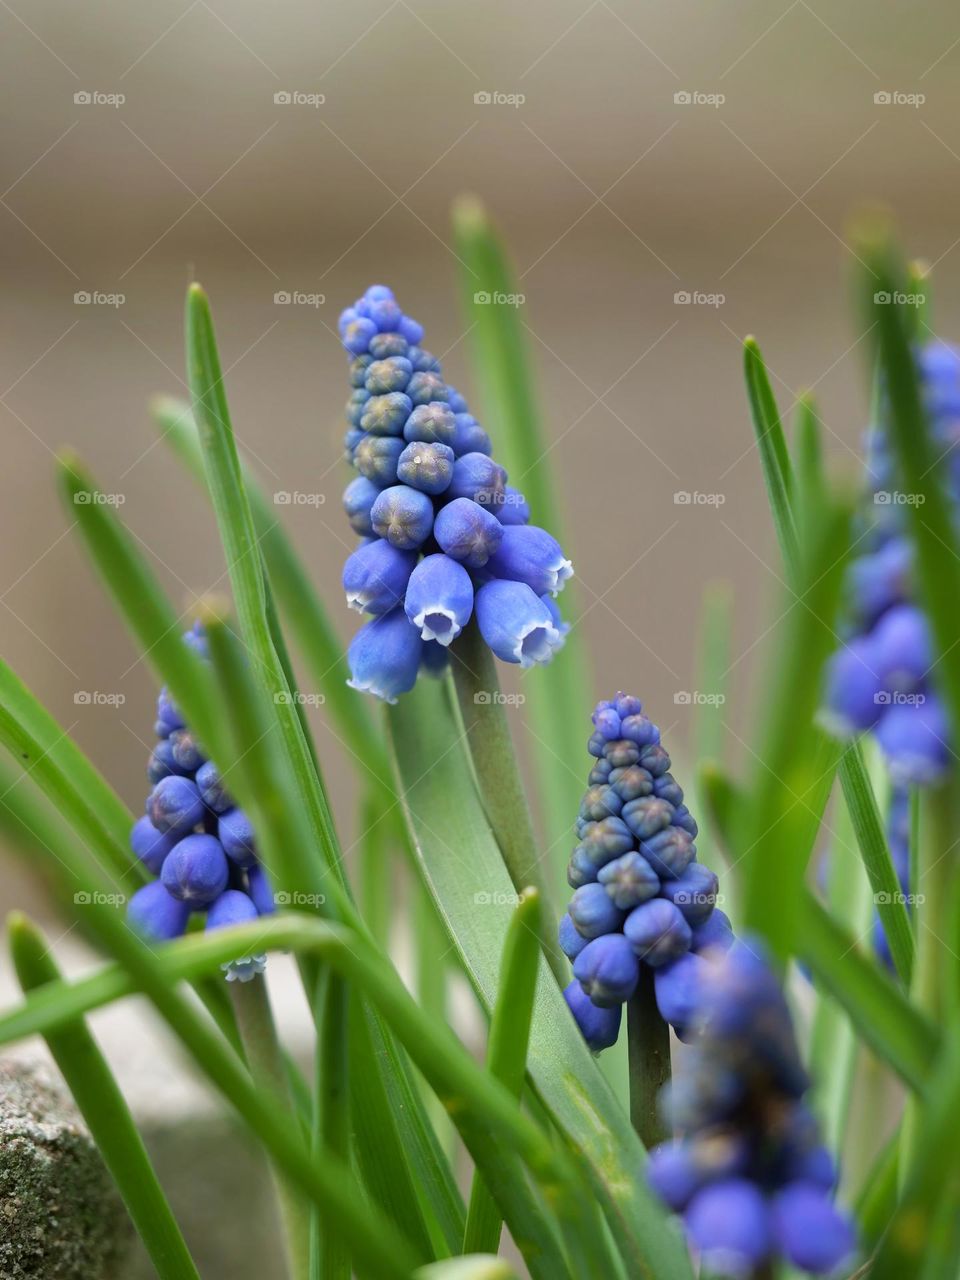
point(195, 840)
point(444, 535)
point(641, 896)
point(880, 679)
point(747, 1169)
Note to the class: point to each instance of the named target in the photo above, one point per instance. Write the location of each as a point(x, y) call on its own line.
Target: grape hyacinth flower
point(197, 843)
point(450, 537)
point(881, 680)
point(746, 1168)
point(640, 895)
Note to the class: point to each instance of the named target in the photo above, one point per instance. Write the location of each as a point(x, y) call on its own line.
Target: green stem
point(329, 1258)
point(498, 774)
point(265, 1059)
point(648, 1038)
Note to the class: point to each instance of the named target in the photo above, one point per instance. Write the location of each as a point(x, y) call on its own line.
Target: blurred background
point(634, 155)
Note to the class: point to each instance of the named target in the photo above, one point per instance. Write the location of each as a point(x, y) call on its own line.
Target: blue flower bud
point(356, 406)
point(150, 845)
point(232, 907)
point(351, 438)
point(236, 835)
point(467, 533)
point(469, 436)
point(196, 870)
point(515, 623)
point(600, 802)
point(694, 893)
point(655, 760)
point(581, 868)
point(211, 788)
point(384, 656)
point(168, 713)
point(412, 331)
point(673, 1175)
point(571, 940)
point(605, 839)
point(403, 516)
point(479, 478)
point(175, 805)
point(646, 816)
point(375, 576)
point(593, 911)
point(358, 499)
point(439, 598)
point(629, 880)
point(528, 554)
point(677, 987)
point(637, 728)
point(716, 932)
point(599, 1027)
point(881, 579)
point(810, 1231)
point(608, 970)
point(902, 650)
point(428, 467)
point(155, 915)
point(376, 457)
point(427, 389)
point(161, 763)
point(729, 1223)
point(358, 371)
point(914, 738)
point(512, 508)
point(384, 376)
point(682, 817)
point(422, 361)
point(657, 932)
point(385, 345)
point(261, 890)
point(185, 751)
point(385, 415)
point(669, 852)
point(631, 782)
point(456, 401)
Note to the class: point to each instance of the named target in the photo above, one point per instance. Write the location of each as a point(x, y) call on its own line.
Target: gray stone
point(60, 1216)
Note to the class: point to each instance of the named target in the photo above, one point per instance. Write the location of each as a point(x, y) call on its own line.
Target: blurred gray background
point(615, 195)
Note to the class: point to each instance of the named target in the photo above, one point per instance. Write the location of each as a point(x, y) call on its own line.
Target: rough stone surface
point(60, 1216)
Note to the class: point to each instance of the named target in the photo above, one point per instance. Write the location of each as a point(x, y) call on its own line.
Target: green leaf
point(471, 887)
point(107, 1115)
point(772, 447)
point(558, 696)
point(507, 1049)
point(476, 1267)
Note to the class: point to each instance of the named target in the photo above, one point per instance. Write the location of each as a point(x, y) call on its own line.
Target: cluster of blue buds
point(747, 1168)
point(881, 679)
point(195, 840)
point(444, 536)
point(641, 896)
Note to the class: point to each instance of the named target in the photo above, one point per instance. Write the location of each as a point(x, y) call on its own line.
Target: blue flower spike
point(448, 536)
point(194, 839)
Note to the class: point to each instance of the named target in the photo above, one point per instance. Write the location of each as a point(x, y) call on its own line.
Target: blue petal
point(375, 576)
point(384, 656)
point(439, 598)
point(515, 623)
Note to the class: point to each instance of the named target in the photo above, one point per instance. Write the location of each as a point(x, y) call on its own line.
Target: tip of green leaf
point(469, 213)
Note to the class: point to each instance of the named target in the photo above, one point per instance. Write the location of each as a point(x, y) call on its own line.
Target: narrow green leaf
point(107, 1115)
point(507, 1050)
point(877, 1200)
point(558, 697)
point(772, 447)
point(328, 1258)
point(472, 889)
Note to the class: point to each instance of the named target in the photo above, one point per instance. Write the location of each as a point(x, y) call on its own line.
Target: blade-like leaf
point(772, 447)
